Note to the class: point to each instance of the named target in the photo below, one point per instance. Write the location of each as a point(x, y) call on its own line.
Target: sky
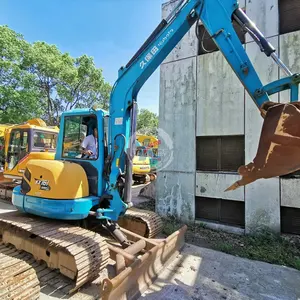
point(110, 31)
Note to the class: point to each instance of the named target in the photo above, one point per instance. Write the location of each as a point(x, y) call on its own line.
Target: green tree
point(19, 96)
point(87, 87)
point(147, 122)
point(65, 82)
point(38, 80)
point(50, 69)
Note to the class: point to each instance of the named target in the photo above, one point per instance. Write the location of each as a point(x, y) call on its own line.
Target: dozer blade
point(139, 265)
point(279, 146)
point(78, 253)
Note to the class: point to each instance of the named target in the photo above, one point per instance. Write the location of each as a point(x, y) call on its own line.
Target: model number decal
point(44, 184)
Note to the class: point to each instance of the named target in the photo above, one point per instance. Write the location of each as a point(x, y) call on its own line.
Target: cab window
point(44, 140)
point(18, 147)
point(76, 129)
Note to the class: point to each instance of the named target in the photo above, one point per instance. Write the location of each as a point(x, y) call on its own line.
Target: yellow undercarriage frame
point(55, 179)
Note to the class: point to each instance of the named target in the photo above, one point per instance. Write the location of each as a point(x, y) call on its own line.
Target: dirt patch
point(268, 247)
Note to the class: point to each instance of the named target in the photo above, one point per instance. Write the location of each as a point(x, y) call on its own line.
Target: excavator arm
point(217, 17)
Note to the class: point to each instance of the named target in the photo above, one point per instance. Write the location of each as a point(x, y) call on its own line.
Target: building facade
point(209, 126)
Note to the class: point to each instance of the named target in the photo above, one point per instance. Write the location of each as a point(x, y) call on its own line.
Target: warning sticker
point(118, 121)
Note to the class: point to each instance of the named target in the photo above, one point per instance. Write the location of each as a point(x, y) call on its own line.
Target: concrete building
point(209, 126)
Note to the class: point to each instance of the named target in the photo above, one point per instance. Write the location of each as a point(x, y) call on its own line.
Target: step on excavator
point(68, 208)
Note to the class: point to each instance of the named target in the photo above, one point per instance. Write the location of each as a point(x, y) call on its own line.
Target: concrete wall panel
point(264, 13)
point(220, 97)
point(213, 185)
point(177, 116)
point(177, 110)
point(290, 192)
point(262, 197)
point(176, 195)
point(290, 55)
point(262, 206)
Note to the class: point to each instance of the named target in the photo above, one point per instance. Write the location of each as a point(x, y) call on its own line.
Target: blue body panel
point(73, 209)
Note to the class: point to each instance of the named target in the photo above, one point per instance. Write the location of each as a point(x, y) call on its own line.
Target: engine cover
point(54, 179)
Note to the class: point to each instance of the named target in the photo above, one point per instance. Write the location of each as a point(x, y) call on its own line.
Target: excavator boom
point(217, 17)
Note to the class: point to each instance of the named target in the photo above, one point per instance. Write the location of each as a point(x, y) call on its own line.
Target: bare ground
point(276, 249)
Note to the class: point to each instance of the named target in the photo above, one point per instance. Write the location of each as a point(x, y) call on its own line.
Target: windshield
point(150, 152)
point(42, 139)
point(140, 152)
point(79, 136)
point(18, 147)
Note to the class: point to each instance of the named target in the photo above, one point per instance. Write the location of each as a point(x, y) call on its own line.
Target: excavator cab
point(24, 142)
point(46, 180)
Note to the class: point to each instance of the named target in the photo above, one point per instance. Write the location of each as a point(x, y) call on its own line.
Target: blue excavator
point(63, 204)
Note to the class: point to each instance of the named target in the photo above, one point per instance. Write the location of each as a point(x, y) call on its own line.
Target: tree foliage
point(18, 93)
point(38, 80)
point(147, 122)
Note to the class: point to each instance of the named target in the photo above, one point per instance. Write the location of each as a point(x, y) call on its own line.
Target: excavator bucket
point(279, 146)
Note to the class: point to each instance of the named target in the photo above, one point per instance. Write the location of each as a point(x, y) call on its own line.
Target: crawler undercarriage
point(83, 254)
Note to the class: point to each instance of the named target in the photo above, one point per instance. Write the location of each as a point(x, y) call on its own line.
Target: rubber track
point(152, 220)
point(18, 280)
point(88, 248)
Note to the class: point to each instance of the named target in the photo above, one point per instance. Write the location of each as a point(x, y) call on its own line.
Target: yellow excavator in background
point(147, 140)
point(141, 166)
point(144, 163)
point(32, 139)
point(147, 151)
